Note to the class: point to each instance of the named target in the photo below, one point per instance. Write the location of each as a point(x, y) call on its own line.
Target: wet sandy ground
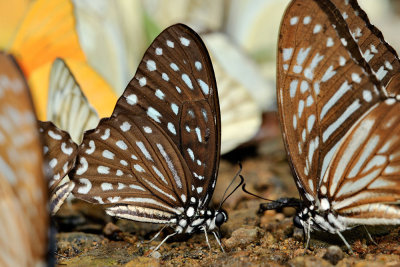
point(89, 237)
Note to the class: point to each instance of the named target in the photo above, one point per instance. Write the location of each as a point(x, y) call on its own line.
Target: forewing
point(324, 86)
point(129, 160)
point(379, 55)
point(67, 106)
point(23, 210)
point(366, 168)
point(60, 154)
point(175, 87)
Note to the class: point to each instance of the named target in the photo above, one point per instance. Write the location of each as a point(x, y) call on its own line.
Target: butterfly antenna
point(254, 195)
point(233, 180)
point(275, 204)
point(233, 191)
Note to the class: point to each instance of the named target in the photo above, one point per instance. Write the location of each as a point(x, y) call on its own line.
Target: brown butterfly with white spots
point(24, 218)
point(156, 158)
point(338, 98)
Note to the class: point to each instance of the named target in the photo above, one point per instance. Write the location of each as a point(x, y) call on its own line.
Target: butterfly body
point(186, 221)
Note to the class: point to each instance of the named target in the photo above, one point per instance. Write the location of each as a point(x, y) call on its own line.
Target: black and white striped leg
point(218, 241)
point(205, 233)
point(162, 242)
point(155, 236)
point(345, 242)
point(308, 233)
point(369, 236)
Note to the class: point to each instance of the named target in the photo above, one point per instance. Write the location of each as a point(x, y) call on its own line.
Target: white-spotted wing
point(156, 158)
point(60, 153)
point(175, 88)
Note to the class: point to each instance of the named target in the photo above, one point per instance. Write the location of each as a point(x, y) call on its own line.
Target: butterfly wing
point(68, 107)
point(324, 86)
point(23, 190)
point(175, 87)
point(379, 55)
point(60, 153)
point(365, 171)
point(129, 161)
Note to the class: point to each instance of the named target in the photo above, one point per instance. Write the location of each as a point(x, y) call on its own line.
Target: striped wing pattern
point(339, 106)
point(324, 87)
point(135, 164)
point(366, 167)
point(68, 108)
point(23, 190)
point(160, 148)
point(60, 153)
point(175, 87)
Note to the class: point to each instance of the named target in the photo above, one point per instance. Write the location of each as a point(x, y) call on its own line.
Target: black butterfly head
point(297, 221)
point(221, 216)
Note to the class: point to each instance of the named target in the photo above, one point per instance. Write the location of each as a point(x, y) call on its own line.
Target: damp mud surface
point(88, 237)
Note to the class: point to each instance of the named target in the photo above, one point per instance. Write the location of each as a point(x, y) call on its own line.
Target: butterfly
point(338, 99)
point(156, 158)
point(23, 188)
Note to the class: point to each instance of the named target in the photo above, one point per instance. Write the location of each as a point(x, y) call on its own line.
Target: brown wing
point(60, 154)
point(175, 87)
point(365, 171)
point(129, 160)
point(23, 190)
point(379, 55)
point(324, 87)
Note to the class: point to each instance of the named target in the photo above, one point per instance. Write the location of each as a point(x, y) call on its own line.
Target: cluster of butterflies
point(156, 158)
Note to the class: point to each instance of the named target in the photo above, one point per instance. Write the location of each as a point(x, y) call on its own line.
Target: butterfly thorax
point(195, 219)
point(320, 217)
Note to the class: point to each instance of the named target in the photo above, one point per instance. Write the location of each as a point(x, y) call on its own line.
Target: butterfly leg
point(218, 241)
point(155, 236)
point(307, 233)
point(162, 242)
point(345, 242)
point(205, 233)
point(369, 236)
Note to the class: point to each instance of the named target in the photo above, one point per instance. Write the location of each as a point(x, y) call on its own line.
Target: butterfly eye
point(220, 218)
point(297, 221)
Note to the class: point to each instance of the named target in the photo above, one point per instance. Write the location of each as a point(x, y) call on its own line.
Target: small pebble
point(333, 254)
point(242, 237)
point(110, 229)
point(298, 233)
point(156, 254)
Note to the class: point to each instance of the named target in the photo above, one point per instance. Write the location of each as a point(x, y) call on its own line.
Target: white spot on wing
point(121, 144)
point(154, 114)
point(159, 94)
point(204, 87)
point(187, 81)
point(184, 41)
point(151, 65)
point(131, 99)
